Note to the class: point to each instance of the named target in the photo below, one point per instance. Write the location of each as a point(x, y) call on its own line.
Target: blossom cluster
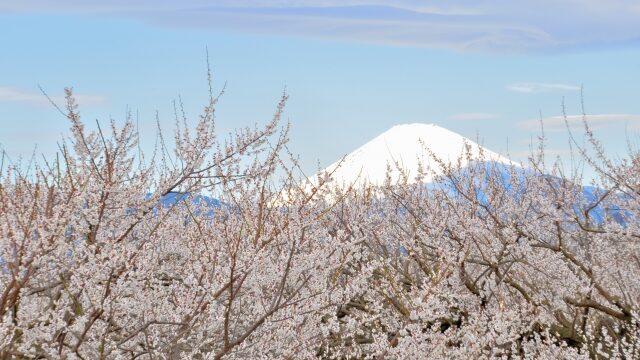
point(488, 261)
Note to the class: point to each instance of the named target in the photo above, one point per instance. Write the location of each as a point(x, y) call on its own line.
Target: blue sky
point(352, 68)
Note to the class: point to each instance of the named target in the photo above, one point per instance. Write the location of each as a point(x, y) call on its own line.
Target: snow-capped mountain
point(405, 147)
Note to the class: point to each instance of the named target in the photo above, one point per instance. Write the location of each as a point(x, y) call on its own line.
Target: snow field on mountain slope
point(404, 148)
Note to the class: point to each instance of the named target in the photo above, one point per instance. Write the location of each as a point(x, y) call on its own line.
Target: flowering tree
point(106, 253)
point(96, 264)
point(495, 261)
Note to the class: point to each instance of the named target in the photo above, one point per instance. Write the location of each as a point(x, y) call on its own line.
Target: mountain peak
point(405, 147)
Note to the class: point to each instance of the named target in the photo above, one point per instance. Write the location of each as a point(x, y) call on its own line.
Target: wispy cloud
point(474, 116)
point(467, 25)
point(559, 123)
point(14, 95)
point(541, 87)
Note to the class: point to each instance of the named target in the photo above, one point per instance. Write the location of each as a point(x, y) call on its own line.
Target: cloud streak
point(541, 87)
point(495, 26)
point(559, 123)
point(14, 95)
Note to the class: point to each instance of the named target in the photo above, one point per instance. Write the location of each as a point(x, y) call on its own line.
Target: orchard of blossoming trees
point(487, 262)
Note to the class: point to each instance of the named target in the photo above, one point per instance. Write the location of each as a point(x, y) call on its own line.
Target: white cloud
point(559, 123)
point(474, 116)
point(541, 87)
point(467, 25)
point(13, 95)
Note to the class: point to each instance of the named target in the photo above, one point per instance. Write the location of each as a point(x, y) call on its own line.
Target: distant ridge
point(405, 145)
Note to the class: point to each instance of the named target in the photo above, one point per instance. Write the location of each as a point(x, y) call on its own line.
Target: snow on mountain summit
point(406, 146)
